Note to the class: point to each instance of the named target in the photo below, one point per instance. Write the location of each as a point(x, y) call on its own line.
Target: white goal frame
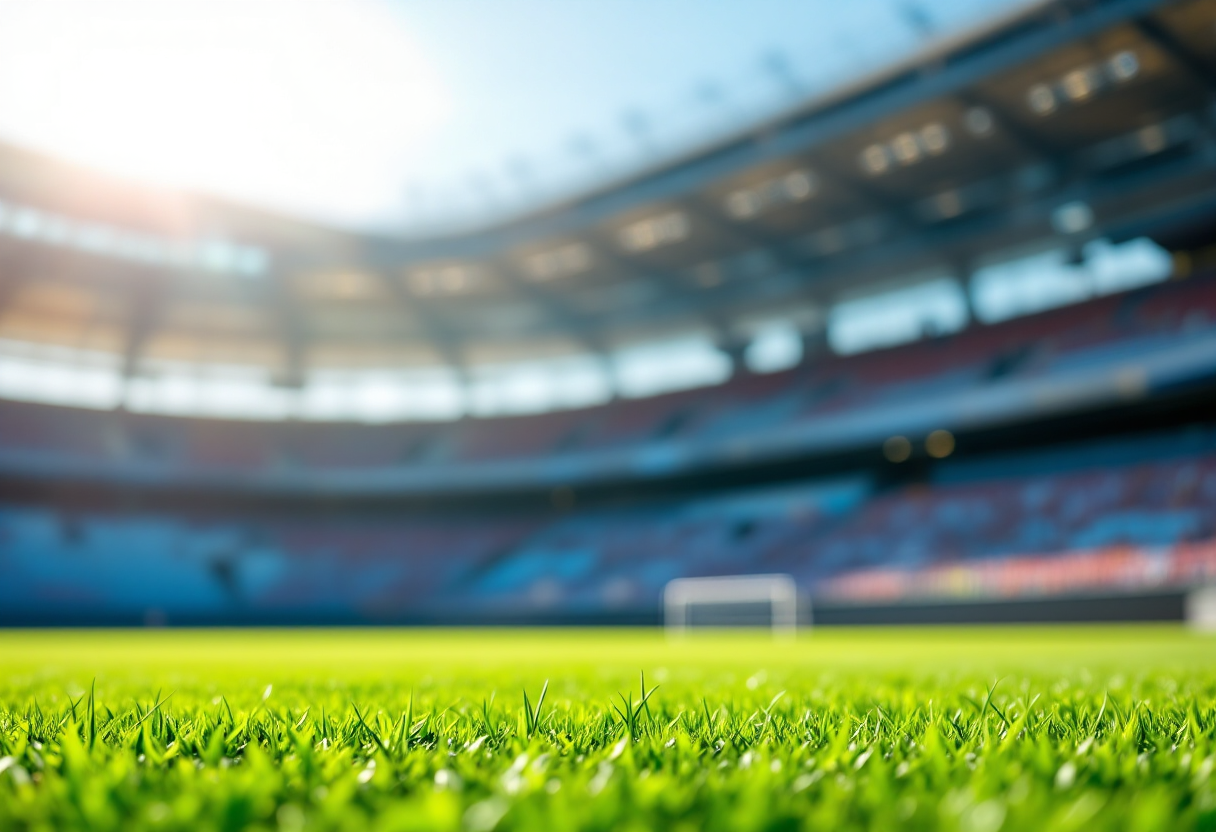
point(779, 591)
point(1200, 607)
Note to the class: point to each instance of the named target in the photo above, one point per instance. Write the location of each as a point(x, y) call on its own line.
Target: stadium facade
point(217, 415)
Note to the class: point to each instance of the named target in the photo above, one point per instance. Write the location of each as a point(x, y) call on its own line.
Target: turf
point(975, 729)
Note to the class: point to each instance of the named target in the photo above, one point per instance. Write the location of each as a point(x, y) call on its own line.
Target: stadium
point(848, 462)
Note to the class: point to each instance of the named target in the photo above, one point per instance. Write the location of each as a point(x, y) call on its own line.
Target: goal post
point(1200, 608)
point(768, 601)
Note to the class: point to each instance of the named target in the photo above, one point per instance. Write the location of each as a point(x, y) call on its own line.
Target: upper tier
point(1118, 349)
point(1069, 122)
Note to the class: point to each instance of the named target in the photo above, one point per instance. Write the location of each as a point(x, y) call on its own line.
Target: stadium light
point(656, 231)
point(798, 184)
point(792, 187)
point(1082, 83)
point(1124, 66)
point(555, 263)
point(743, 204)
point(1144, 141)
point(934, 138)
point(897, 449)
point(875, 159)
point(979, 122)
point(907, 148)
point(1041, 99)
point(444, 279)
point(939, 444)
point(1072, 217)
point(344, 285)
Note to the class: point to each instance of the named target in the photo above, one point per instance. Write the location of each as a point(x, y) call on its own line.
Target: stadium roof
point(421, 117)
point(1063, 124)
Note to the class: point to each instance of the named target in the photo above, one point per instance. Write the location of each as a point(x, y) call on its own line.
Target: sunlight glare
point(312, 105)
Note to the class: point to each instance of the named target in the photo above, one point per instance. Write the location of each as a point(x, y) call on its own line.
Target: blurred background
point(513, 312)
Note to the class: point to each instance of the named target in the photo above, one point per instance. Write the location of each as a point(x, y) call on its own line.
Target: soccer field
point(969, 729)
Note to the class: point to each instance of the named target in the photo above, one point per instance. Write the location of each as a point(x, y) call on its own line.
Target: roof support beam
point(438, 329)
point(1009, 127)
point(578, 326)
point(1042, 29)
point(146, 303)
point(749, 232)
point(1179, 52)
point(295, 338)
point(671, 285)
point(1178, 185)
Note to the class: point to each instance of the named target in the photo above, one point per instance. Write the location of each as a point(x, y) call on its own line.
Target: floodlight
point(897, 449)
point(559, 262)
point(1123, 66)
point(979, 121)
point(453, 278)
point(742, 204)
point(1081, 83)
point(798, 184)
point(939, 444)
point(906, 148)
point(934, 138)
point(1042, 99)
point(449, 278)
point(1072, 218)
point(794, 186)
point(653, 232)
point(875, 159)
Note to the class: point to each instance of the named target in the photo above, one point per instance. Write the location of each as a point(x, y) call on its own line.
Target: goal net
point(763, 601)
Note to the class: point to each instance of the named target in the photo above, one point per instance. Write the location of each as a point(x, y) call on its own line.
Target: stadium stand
point(1084, 463)
point(1120, 516)
point(1109, 335)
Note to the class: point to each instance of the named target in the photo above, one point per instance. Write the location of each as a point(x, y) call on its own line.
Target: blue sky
point(420, 115)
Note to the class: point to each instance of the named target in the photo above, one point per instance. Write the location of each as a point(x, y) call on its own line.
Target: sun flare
point(285, 103)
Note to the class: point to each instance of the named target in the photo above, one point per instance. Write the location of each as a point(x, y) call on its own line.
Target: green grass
point(969, 729)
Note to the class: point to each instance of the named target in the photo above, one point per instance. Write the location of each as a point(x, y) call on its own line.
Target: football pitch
point(962, 729)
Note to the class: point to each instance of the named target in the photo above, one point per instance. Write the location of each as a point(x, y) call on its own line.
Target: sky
point(425, 116)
